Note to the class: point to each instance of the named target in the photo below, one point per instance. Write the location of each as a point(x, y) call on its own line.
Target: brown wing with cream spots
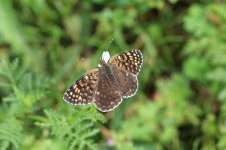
point(131, 61)
point(108, 96)
point(82, 91)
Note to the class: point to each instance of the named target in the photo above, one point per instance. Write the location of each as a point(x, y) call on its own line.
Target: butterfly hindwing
point(128, 83)
point(108, 94)
point(82, 91)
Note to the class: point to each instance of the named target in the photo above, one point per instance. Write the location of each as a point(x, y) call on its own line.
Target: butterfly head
point(104, 59)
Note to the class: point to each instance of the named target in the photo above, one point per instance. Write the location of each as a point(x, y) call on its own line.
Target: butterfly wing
point(127, 81)
point(125, 67)
point(108, 95)
point(82, 91)
point(130, 61)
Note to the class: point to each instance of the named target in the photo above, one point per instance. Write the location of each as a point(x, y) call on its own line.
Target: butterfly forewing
point(130, 61)
point(82, 91)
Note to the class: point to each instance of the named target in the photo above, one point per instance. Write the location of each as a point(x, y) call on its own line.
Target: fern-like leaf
point(10, 135)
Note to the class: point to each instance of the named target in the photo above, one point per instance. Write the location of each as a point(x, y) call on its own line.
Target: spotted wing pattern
point(82, 91)
point(131, 61)
point(107, 96)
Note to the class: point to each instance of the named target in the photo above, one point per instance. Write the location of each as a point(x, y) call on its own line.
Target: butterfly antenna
point(110, 43)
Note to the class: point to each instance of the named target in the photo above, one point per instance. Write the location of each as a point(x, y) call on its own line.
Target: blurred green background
point(45, 45)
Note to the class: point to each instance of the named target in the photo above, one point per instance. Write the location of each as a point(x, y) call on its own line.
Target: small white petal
point(106, 56)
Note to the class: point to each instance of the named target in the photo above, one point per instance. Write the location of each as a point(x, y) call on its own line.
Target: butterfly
point(105, 87)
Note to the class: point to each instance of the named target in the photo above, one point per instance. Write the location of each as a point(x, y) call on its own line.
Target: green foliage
point(25, 89)
point(207, 46)
point(77, 133)
point(46, 45)
point(11, 135)
point(157, 121)
point(27, 92)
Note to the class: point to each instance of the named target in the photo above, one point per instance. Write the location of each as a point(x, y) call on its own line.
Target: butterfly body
point(108, 74)
point(106, 86)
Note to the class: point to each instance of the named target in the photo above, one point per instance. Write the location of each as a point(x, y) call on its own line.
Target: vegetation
point(46, 45)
